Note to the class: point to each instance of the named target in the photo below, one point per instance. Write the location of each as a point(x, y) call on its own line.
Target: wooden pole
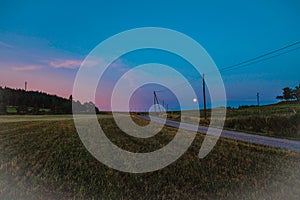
point(154, 101)
point(204, 97)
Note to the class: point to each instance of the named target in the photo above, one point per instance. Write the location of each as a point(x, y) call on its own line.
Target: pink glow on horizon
point(37, 80)
point(52, 83)
point(44, 68)
point(44, 71)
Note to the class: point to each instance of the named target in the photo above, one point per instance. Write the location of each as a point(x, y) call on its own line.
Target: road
point(256, 139)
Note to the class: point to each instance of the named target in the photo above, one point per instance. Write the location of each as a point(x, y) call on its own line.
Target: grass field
point(278, 120)
point(45, 159)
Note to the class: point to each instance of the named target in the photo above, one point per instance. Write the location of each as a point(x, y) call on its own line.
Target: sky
point(44, 43)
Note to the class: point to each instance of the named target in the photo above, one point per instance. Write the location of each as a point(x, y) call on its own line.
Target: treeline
point(289, 94)
point(35, 102)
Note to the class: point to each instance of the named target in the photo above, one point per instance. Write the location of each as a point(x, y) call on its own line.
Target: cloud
point(27, 68)
point(5, 45)
point(68, 64)
point(75, 63)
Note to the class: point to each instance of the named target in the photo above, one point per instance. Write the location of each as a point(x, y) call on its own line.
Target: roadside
point(256, 139)
point(280, 120)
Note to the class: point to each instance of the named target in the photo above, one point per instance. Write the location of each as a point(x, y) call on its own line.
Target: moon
point(194, 100)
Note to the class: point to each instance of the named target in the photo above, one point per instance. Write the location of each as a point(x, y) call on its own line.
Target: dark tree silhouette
point(297, 92)
point(38, 102)
point(279, 97)
point(2, 105)
point(289, 94)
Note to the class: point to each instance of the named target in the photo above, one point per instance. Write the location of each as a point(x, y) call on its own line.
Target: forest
point(19, 101)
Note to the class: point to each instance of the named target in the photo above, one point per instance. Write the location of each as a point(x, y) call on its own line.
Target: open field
point(32, 118)
point(278, 120)
point(46, 159)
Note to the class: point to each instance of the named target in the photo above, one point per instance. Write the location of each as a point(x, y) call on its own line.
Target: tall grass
point(279, 120)
point(279, 126)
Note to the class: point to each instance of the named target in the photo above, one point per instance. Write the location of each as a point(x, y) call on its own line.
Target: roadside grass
point(276, 126)
point(46, 160)
point(278, 120)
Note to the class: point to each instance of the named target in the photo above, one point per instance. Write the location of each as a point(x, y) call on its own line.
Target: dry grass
point(46, 160)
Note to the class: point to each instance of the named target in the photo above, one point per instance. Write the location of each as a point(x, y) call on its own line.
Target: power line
point(260, 60)
point(248, 62)
point(260, 56)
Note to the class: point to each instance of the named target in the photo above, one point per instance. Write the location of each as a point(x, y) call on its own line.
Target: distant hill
point(18, 101)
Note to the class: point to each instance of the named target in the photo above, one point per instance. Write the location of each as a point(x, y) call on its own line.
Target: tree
point(22, 99)
point(279, 97)
point(296, 92)
point(288, 94)
point(2, 109)
point(2, 105)
point(22, 109)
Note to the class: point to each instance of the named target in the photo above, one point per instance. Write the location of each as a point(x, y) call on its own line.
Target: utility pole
point(155, 99)
point(257, 98)
point(204, 96)
point(25, 85)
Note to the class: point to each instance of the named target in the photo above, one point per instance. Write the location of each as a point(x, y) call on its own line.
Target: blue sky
point(45, 41)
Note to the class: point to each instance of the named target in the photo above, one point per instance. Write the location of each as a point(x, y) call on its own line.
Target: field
point(278, 120)
point(45, 159)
